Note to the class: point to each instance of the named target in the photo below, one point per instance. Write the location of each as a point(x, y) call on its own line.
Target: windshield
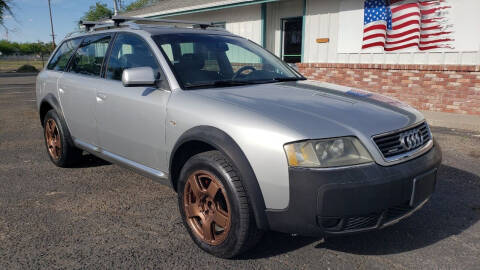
point(200, 60)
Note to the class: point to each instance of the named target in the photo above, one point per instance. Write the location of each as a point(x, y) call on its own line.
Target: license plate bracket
point(423, 187)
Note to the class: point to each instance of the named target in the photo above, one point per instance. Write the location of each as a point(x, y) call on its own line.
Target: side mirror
point(140, 76)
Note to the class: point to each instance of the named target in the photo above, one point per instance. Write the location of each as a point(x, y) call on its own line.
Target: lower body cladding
point(357, 198)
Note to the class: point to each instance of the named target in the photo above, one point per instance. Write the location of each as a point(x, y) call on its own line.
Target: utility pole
point(115, 7)
point(51, 24)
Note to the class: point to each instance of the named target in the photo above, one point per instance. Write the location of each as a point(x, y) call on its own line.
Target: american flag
point(400, 24)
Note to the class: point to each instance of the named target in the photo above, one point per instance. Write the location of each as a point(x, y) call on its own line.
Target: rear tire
point(218, 196)
point(58, 142)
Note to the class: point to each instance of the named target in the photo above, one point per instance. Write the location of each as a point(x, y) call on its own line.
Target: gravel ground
point(99, 215)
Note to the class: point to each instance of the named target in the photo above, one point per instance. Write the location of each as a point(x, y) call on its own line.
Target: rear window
point(60, 60)
point(88, 59)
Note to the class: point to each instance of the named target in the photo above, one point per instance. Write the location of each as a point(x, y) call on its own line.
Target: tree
point(27, 48)
point(5, 9)
point(137, 4)
point(7, 48)
point(97, 12)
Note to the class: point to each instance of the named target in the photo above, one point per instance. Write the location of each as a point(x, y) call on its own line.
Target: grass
point(12, 65)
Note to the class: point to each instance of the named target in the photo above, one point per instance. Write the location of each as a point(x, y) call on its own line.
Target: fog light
point(330, 222)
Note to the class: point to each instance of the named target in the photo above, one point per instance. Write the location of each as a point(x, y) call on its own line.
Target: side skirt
point(151, 173)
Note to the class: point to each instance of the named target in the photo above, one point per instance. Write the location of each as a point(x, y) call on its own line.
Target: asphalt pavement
point(99, 215)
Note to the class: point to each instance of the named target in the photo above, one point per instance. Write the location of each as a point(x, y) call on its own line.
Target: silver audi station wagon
point(248, 143)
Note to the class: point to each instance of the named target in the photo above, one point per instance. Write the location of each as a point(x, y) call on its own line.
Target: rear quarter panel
point(47, 83)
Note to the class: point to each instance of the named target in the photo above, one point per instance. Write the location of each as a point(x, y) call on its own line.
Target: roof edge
point(199, 8)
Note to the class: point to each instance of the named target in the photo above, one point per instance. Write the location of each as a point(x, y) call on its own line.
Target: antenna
point(115, 7)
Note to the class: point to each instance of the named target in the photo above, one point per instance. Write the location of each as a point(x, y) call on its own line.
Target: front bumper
point(357, 198)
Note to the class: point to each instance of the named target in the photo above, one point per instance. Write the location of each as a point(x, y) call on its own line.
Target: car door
point(131, 120)
point(78, 86)
point(57, 64)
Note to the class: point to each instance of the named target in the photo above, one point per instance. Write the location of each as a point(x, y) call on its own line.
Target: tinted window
point(60, 59)
point(88, 59)
point(186, 48)
point(129, 51)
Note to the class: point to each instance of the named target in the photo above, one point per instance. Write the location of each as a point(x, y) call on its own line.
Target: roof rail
point(117, 20)
point(74, 33)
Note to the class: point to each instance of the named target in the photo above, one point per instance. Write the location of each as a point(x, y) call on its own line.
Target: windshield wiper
point(241, 82)
point(219, 83)
point(288, 79)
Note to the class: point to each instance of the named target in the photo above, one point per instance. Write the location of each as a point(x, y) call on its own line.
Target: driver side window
point(129, 51)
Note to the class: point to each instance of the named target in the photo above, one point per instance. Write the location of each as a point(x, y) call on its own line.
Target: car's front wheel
point(214, 206)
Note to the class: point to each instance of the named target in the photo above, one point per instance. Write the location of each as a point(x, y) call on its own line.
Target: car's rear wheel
point(214, 206)
point(59, 145)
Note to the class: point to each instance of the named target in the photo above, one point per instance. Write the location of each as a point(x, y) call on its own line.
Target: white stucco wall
point(244, 21)
point(275, 12)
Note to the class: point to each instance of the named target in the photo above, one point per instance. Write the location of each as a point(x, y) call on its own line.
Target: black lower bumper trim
point(357, 198)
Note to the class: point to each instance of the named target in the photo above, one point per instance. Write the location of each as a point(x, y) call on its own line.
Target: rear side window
point(62, 55)
point(88, 59)
point(129, 51)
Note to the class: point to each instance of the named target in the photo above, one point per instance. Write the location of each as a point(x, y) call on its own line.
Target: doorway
point(292, 39)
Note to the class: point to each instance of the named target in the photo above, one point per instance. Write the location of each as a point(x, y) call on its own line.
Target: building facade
point(423, 52)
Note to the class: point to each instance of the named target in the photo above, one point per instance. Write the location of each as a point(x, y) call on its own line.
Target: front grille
point(391, 145)
point(364, 222)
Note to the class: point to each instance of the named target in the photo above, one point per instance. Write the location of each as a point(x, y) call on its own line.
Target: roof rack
point(117, 20)
point(74, 33)
point(90, 24)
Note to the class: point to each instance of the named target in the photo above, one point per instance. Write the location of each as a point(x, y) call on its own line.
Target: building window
point(292, 39)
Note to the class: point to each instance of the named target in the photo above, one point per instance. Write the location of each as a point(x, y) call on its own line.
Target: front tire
point(214, 206)
point(59, 144)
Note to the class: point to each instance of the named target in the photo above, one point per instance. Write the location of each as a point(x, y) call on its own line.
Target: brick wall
point(444, 88)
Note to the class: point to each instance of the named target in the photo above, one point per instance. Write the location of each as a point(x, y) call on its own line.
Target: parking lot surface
point(99, 215)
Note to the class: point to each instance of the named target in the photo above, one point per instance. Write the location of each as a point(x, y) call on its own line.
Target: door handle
point(101, 97)
point(61, 90)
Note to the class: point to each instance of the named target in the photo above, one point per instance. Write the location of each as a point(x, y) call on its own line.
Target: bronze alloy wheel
point(206, 206)
point(52, 136)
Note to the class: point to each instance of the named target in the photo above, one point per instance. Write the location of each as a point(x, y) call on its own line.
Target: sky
point(31, 20)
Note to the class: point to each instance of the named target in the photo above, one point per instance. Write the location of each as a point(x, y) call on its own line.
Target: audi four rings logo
point(411, 139)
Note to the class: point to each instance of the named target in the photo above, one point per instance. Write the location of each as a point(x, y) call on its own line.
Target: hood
point(317, 110)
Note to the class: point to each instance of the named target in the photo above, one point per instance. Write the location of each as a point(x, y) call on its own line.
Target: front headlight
point(333, 152)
